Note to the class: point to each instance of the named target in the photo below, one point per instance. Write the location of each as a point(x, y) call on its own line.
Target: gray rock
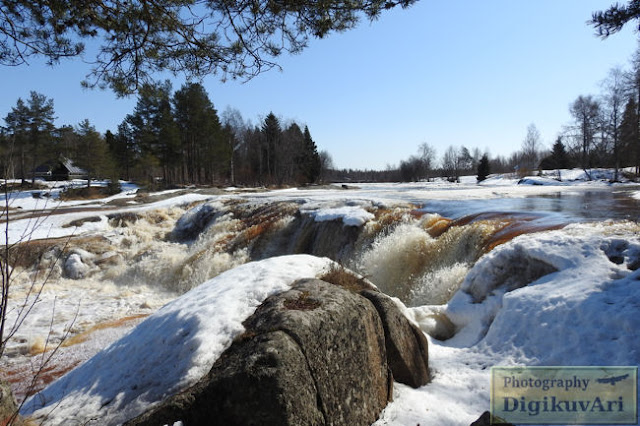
point(406, 345)
point(343, 340)
point(266, 382)
point(193, 222)
point(312, 355)
point(75, 268)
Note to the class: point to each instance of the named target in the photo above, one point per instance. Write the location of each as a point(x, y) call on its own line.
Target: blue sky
point(466, 72)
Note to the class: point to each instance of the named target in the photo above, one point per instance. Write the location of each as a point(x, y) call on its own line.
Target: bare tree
point(613, 101)
point(427, 154)
point(451, 163)
point(586, 114)
point(531, 148)
point(232, 120)
point(326, 164)
point(633, 81)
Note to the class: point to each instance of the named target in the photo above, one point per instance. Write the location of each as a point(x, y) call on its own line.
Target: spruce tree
point(93, 153)
point(155, 132)
point(483, 168)
point(559, 155)
point(271, 134)
point(310, 165)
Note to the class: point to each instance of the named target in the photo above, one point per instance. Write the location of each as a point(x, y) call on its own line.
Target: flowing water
point(407, 250)
point(417, 252)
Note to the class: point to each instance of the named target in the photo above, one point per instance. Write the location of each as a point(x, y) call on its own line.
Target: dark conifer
point(483, 168)
point(310, 164)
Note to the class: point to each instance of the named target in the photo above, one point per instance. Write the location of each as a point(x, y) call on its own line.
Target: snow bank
point(587, 257)
point(585, 313)
point(171, 349)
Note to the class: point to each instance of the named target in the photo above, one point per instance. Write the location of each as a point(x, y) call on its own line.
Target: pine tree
point(18, 125)
point(155, 132)
point(41, 116)
point(203, 153)
point(31, 125)
point(290, 156)
point(134, 40)
point(123, 152)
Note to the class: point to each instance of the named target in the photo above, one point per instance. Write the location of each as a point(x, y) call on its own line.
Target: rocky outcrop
point(317, 354)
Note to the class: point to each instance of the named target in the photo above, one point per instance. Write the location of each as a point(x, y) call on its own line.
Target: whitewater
point(497, 274)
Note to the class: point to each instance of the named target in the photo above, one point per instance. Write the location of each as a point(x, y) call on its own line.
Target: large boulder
point(406, 345)
point(312, 355)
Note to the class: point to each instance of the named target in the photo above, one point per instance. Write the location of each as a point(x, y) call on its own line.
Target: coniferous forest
point(170, 138)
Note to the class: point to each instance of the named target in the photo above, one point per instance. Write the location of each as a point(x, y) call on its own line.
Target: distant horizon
point(475, 75)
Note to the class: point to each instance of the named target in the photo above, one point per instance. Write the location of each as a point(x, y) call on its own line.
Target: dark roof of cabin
point(72, 168)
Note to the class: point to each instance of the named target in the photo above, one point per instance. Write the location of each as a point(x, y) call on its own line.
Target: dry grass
point(83, 193)
point(28, 253)
point(340, 276)
point(85, 335)
point(302, 303)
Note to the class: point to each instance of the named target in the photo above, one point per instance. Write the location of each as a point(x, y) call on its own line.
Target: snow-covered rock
point(171, 350)
point(79, 264)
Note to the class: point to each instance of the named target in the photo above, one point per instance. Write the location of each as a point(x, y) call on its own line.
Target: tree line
point(173, 138)
point(604, 132)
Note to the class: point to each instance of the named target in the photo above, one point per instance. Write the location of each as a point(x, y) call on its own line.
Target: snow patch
point(350, 215)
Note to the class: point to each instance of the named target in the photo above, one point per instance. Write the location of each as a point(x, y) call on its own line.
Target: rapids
point(416, 256)
point(100, 283)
